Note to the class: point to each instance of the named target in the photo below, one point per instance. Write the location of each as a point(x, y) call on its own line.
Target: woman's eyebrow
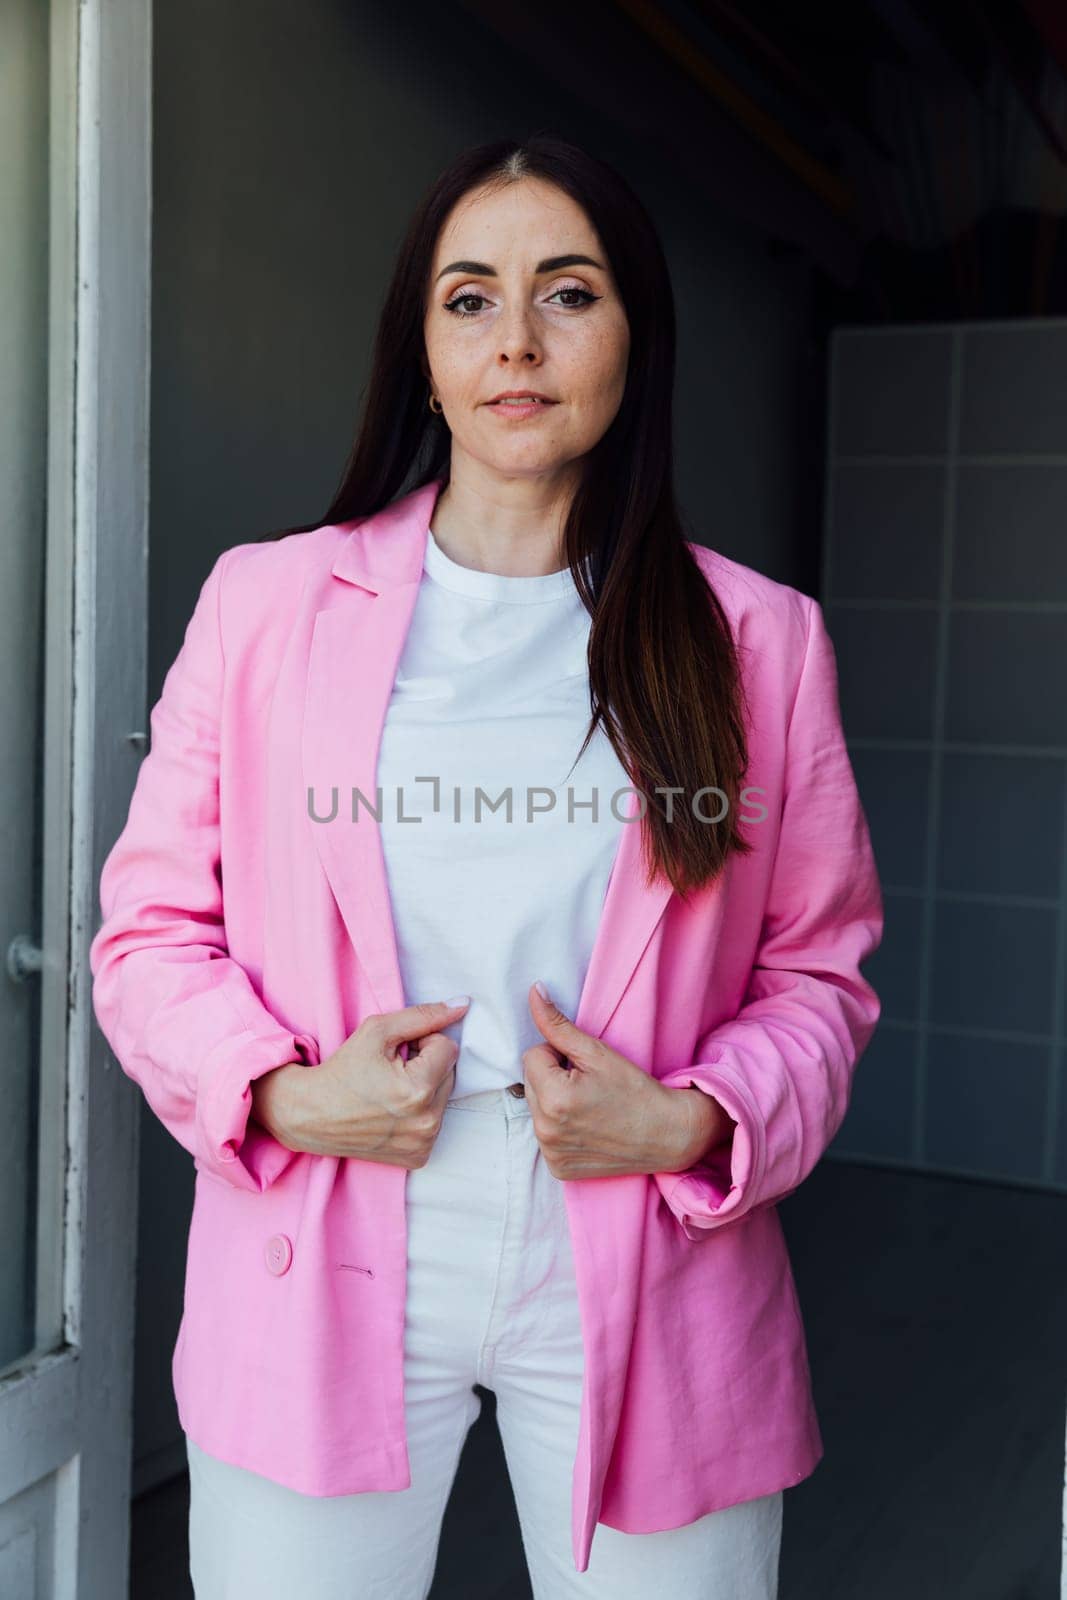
point(481, 269)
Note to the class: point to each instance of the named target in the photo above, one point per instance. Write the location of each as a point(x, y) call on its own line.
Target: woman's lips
point(520, 408)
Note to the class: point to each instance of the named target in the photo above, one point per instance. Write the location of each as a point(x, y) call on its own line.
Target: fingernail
point(542, 991)
point(458, 1000)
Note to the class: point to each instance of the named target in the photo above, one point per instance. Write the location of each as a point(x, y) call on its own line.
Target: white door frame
point(65, 1411)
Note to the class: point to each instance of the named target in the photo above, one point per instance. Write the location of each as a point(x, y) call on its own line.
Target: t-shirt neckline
point(480, 585)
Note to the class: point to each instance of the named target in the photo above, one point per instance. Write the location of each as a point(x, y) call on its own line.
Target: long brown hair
point(664, 677)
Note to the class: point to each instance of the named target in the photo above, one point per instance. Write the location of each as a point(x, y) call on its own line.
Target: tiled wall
point(945, 591)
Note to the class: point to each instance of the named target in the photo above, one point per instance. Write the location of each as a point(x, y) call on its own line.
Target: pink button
point(279, 1254)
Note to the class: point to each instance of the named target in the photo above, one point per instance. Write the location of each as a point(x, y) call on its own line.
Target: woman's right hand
point(365, 1100)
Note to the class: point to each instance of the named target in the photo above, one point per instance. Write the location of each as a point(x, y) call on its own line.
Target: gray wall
point(290, 145)
point(945, 586)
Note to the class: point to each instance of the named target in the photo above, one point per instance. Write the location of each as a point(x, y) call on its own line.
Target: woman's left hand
point(604, 1116)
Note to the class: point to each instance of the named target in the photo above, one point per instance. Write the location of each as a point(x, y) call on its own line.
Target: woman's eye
point(586, 297)
point(461, 300)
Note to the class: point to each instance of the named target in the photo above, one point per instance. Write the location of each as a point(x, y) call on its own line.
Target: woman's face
point(522, 311)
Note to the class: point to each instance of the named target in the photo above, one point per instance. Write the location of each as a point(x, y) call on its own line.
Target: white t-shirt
point(492, 692)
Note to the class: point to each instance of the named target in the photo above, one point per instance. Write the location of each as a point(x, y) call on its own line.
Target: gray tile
point(1000, 828)
point(1014, 393)
point(891, 389)
point(1008, 542)
point(894, 787)
point(878, 1121)
point(885, 669)
point(887, 531)
point(1007, 674)
point(985, 1106)
point(1060, 1069)
point(894, 967)
point(992, 966)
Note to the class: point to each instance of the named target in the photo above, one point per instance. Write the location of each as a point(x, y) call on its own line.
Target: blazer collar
point(355, 649)
point(388, 548)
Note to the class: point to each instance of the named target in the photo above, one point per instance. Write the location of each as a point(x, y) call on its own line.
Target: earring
point(438, 408)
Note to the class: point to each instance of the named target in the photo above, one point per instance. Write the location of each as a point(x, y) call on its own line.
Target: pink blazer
point(289, 1357)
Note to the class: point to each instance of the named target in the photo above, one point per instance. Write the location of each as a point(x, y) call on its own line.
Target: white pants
point(491, 1299)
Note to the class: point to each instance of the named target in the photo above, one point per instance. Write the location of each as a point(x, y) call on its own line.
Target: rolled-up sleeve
point(782, 1068)
point(183, 1018)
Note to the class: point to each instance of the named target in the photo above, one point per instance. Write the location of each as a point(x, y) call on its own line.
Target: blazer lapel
point(356, 645)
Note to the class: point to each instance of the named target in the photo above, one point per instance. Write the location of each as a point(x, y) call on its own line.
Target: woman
point(323, 955)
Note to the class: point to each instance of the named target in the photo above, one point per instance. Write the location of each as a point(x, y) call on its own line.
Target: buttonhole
point(347, 1266)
